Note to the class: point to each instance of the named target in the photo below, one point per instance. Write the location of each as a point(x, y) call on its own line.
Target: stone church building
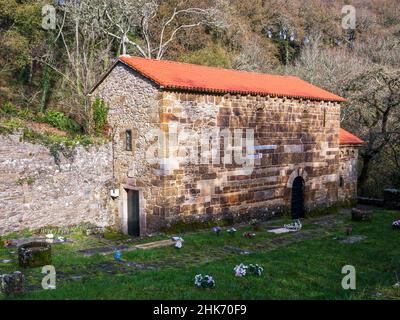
point(193, 143)
point(189, 143)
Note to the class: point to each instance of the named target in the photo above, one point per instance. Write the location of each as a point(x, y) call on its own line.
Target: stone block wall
point(35, 192)
point(292, 137)
point(133, 103)
point(348, 173)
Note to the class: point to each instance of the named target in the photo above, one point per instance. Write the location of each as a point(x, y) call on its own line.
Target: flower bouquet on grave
point(255, 269)
point(231, 231)
point(294, 226)
point(396, 225)
point(240, 270)
point(179, 244)
point(255, 223)
point(206, 281)
point(249, 235)
point(217, 230)
point(117, 255)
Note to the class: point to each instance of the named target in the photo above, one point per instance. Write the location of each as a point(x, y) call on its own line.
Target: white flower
point(178, 244)
point(240, 270)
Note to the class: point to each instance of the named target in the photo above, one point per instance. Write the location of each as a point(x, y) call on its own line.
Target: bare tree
point(82, 47)
point(369, 76)
point(141, 24)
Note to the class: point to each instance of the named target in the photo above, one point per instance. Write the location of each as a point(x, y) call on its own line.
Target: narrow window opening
point(341, 182)
point(128, 140)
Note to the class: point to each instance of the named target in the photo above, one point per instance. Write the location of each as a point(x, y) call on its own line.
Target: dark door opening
point(298, 198)
point(133, 213)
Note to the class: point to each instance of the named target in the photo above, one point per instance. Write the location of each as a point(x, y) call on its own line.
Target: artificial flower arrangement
point(255, 223)
point(240, 270)
point(294, 226)
point(178, 242)
point(117, 255)
point(396, 224)
point(253, 269)
point(249, 235)
point(231, 231)
point(217, 230)
point(206, 281)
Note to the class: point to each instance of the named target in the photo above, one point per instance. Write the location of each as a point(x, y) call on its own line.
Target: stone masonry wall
point(292, 138)
point(348, 173)
point(133, 103)
point(35, 192)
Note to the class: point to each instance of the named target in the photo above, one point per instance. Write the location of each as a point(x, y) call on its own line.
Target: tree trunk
point(362, 179)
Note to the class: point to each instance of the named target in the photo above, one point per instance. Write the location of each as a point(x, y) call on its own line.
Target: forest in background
point(46, 73)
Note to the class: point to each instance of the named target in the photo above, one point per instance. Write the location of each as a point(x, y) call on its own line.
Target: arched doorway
point(297, 203)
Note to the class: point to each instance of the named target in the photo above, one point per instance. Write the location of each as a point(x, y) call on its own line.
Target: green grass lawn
point(307, 268)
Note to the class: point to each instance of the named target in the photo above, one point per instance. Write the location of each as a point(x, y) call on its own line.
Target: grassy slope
point(309, 269)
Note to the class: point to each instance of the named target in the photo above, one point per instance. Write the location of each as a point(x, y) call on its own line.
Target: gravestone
point(361, 214)
point(12, 284)
point(34, 254)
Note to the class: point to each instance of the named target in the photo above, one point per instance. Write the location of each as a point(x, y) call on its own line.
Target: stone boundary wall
point(35, 192)
point(348, 172)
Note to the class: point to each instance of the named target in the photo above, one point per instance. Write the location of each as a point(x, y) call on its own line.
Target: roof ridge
point(213, 67)
point(188, 76)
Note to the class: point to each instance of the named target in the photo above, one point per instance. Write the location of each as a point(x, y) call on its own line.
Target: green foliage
point(99, 112)
point(8, 109)
point(28, 180)
point(25, 114)
point(59, 120)
point(214, 55)
point(22, 31)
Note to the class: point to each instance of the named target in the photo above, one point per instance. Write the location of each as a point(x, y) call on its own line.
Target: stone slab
point(106, 250)
point(156, 244)
point(280, 230)
point(353, 239)
point(237, 250)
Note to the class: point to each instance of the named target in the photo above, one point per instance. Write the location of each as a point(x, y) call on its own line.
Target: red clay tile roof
point(346, 137)
point(185, 76)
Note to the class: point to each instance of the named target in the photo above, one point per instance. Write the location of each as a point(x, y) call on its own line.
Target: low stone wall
point(36, 192)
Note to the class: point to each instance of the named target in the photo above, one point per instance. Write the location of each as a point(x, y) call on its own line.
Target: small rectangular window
point(128, 140)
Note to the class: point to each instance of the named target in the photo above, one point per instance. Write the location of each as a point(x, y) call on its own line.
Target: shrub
point(8, 109)
point(100, 112)
point(24, 114)
point(59, 120)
